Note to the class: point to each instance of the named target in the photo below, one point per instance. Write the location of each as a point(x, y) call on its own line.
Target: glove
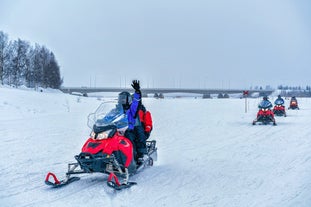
point(135, 85)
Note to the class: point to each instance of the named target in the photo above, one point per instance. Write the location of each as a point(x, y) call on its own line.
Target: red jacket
point(146, 120)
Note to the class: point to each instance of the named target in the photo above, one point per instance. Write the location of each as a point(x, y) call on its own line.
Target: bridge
point(86, 90)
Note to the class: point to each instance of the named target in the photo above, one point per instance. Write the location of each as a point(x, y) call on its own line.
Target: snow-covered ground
point(209, 154)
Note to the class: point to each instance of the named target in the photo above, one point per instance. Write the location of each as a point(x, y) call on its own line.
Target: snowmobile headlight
point(101, 135)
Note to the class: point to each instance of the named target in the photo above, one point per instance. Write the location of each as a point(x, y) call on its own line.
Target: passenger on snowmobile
point(265, 114)
point(142, 130)
point(279, 108)
point(146, 120)
point(134, 131)
point(293, 103)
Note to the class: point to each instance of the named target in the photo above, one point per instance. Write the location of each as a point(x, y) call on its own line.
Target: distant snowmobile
point(107, 151)
point(279, 108)
point(265, 114)
point(293, 103)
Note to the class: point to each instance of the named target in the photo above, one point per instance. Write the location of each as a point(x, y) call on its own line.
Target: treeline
point(298, 91)
point(23, 64)
point(296, 88)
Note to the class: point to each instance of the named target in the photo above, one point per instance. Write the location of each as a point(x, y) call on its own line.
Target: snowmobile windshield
point(279, 102)
point(265, 104)
point(105, 116)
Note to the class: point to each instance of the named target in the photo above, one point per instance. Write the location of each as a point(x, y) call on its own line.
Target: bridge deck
point(85, 90)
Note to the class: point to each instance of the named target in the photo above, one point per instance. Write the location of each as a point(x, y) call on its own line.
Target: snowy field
point(209, 154)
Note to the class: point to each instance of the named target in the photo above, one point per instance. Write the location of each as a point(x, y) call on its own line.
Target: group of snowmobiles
point(265, 115)
point(107, 151)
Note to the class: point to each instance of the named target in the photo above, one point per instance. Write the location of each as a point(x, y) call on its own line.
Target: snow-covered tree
point(37, 66)
point(51, 72)
point(3, 54)
point(21, 64)
point(54, 73)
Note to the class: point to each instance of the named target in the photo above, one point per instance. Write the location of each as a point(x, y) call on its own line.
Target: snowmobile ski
point(58, 183)
point(121, 186)
point(116, 184)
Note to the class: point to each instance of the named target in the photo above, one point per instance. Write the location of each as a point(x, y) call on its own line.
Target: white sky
point(177, 43)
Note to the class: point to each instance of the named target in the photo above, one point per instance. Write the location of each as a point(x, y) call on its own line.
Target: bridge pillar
point(160, 95)
point(206, 95)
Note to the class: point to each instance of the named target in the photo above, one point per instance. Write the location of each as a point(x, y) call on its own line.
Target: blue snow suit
point(133, 133)
point(132, 111)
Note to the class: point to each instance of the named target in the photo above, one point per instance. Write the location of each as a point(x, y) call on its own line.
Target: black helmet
point(125, 99)
point(265, 98)
point(279, 96)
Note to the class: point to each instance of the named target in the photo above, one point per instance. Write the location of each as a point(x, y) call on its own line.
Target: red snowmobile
point(293, 103)
point(279, 108)
point(265, 114)
point(107, 151)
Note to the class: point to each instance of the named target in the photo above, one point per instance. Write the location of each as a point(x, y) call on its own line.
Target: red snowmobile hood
point(108, 146)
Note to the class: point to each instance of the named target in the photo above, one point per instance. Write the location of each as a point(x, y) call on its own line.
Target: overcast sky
point(169, 43)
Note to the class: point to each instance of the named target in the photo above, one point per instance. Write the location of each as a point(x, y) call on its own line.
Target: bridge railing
point(86, 90)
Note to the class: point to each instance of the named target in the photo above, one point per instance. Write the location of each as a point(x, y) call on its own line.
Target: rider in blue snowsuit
point(279, 100)
point(131, 105)
point(265, 103)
